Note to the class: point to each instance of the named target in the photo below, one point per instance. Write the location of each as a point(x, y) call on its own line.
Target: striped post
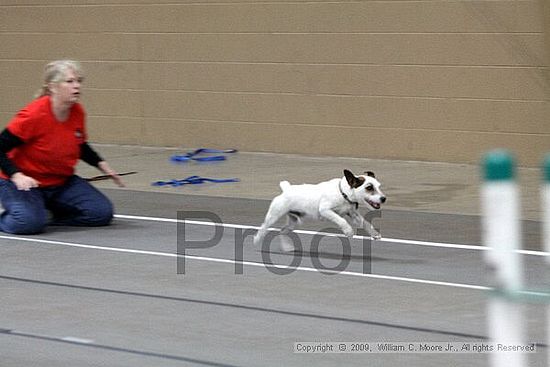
point(501, 225)
point(546, 227)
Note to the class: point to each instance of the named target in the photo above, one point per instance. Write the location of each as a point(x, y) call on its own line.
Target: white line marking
point(74, 339)
point(247, 263)
point(261, 265)
point(256, 264)
point(392, 240)
point(71, 339)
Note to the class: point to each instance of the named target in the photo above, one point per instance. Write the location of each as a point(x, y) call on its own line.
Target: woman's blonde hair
point(55, 71)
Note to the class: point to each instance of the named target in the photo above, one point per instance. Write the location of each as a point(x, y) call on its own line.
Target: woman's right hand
point(24, 182)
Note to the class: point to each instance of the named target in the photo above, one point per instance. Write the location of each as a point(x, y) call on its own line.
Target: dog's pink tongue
point(374, 205)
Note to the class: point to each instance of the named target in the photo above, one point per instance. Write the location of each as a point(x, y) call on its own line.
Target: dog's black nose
point(383, 199)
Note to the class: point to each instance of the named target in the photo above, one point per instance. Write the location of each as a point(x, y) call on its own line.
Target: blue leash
point(192, 156)
point(183, 158)
point(193, 180)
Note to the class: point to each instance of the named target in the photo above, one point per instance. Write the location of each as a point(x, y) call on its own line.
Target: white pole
point(501, 233)
point(546, 206)
point(546, 229)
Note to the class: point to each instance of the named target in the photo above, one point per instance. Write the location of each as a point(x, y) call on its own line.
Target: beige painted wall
point(417, 80)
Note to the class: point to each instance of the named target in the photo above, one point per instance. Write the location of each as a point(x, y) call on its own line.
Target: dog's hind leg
point(287, 244)
point(293, 220)
point(276, 211)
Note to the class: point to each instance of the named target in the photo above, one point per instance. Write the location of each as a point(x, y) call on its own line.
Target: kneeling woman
point(39, 150)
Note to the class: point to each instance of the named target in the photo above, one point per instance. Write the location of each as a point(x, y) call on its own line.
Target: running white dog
point(329, 200)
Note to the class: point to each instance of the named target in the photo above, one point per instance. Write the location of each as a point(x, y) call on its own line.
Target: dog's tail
point(284, 185)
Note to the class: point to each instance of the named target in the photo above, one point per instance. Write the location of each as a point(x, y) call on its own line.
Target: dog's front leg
point(366, 225)
point(371, 230)
point(332, 216)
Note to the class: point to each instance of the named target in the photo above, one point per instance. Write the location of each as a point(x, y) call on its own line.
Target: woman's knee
point(81, 204)
point(23, 223)
point(100, 214)
point(24, 211)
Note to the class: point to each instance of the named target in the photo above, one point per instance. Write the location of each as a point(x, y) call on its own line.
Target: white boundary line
point(393, 240)
point(247, 263)
point(262, 265)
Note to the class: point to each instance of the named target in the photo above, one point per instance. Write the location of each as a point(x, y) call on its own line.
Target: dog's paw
point(348, 231)
point(376, 236)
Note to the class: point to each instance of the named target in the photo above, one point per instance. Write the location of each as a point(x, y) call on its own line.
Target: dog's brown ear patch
point(352, 180)
point(370, 174)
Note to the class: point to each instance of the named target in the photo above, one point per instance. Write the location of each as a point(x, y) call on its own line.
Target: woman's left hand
point(105, 168)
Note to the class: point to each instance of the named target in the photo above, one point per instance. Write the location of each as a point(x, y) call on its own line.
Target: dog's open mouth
point(373, 204)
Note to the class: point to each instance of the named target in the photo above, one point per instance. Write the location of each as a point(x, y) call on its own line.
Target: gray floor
point(112, 296)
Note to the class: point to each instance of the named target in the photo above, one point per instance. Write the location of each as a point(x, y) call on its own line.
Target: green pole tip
point(498, 165)
point(546, 168)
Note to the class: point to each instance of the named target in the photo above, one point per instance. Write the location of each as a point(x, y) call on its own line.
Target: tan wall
point(416, 80)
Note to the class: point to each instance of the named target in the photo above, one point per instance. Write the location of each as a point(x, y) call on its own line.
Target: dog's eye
point(369, 187)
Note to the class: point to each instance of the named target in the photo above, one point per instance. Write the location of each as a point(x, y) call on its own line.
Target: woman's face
point(67, 91)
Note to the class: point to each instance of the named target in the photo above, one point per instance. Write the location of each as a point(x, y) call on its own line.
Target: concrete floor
point(112, 296)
